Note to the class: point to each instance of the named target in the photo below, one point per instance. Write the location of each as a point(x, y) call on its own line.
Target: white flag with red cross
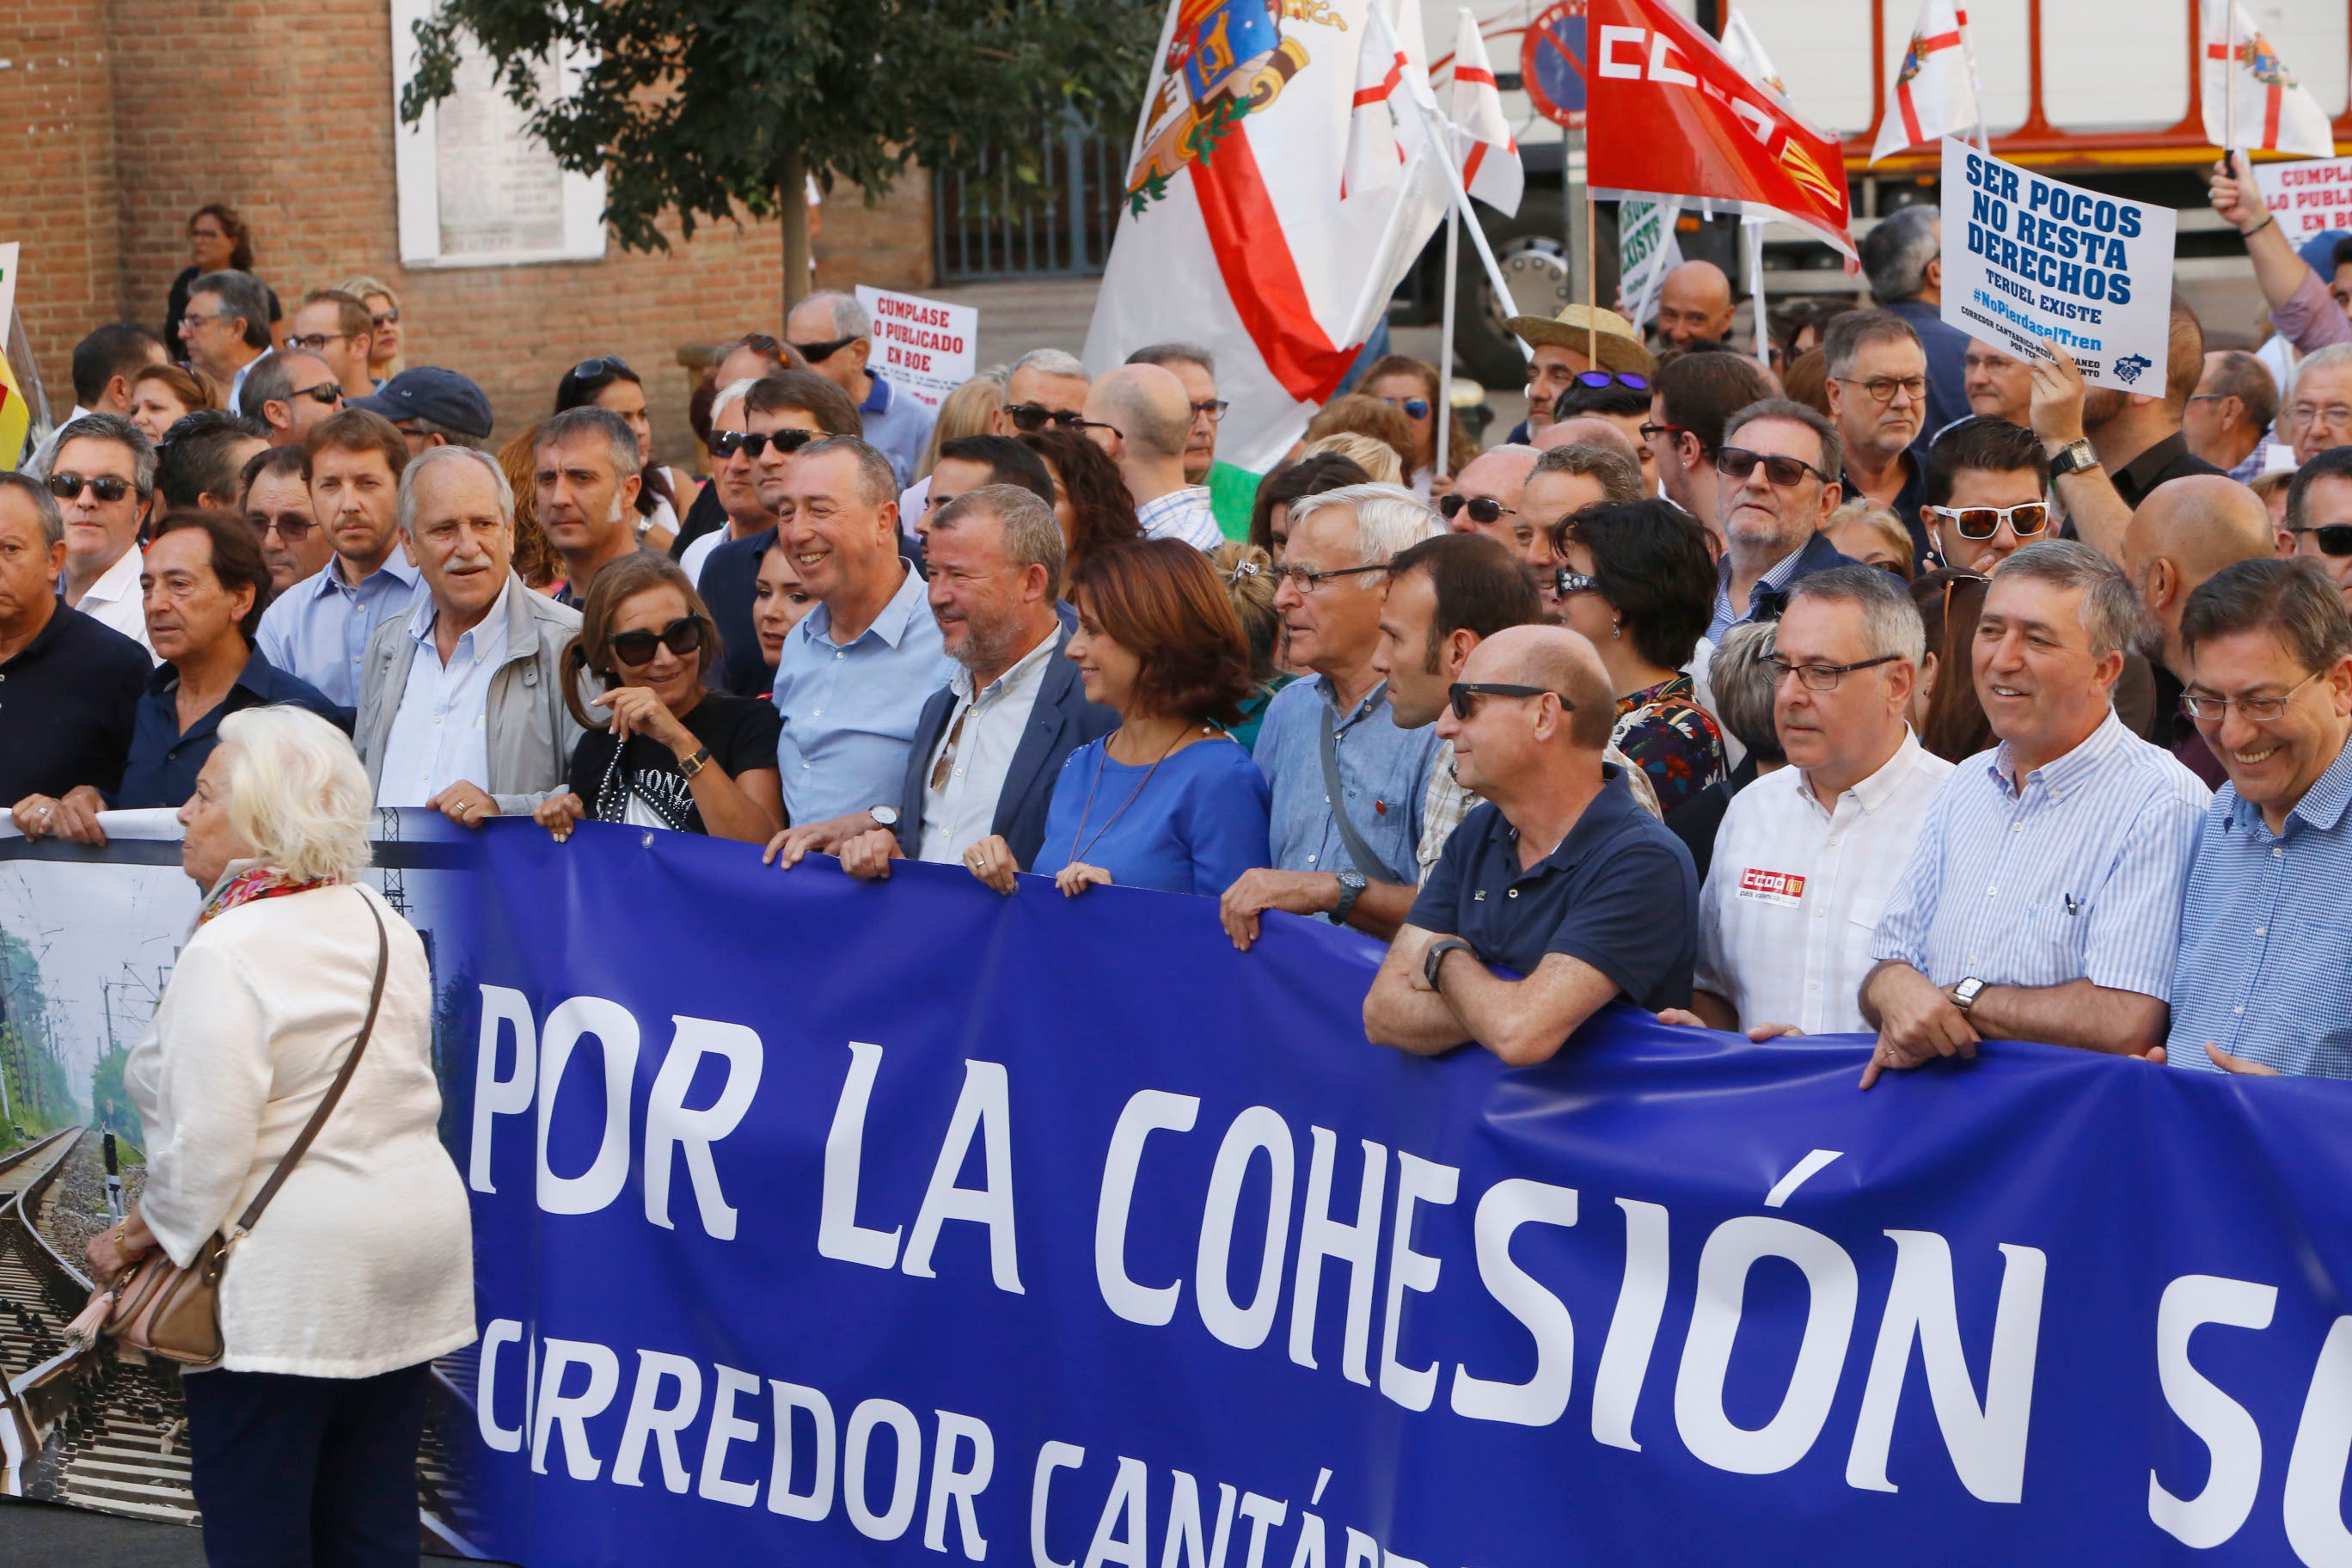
point(1934, 90)
point(2274, 112)
point(1491, 169)
point(1375, 159)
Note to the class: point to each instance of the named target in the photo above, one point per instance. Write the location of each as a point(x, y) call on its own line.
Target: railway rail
point(100, 1430)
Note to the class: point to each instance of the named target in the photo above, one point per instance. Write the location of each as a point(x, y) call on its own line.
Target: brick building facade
point(119, 116)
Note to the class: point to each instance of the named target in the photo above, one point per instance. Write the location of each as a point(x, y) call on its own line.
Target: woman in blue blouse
point(1169, 799)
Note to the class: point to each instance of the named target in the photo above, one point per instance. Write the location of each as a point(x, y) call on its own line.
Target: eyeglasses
point(1415, 407)
point(388, 319)
point(190, 319)
point(601, 366)
point(1482, 509)
point(1651, 432)
point(2025, 519)
point(1461, 692)
point(818, 354)
point(2333, 538)
point(1098, 425)
point(1822, 677)
point(1213, 409)
point(2208, 709)
point(1033, 417)
point(681, 637)
point(1565, 581)
point(1625, 378)
point(727, 443)
point(2334, 415)
point(1735, 463)
point(1883, 388)
point(1307, 579)
point(107, 487)
point(326, 394)
point(292, 530)
point(314, 341)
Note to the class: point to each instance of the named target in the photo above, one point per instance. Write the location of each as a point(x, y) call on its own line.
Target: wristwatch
point(2073, 459)
point(1352, 888)
point(694, 762)
point(1965, 994)
point(1435, 957)
point(883, 815)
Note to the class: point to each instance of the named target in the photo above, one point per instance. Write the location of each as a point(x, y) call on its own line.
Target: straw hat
point(1618, 345)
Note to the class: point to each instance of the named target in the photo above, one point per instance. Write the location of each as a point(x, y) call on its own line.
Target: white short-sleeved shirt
point(1794, 892)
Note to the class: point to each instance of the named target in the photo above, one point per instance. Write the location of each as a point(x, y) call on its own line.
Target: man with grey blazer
point(461, 703)
point(990, 745)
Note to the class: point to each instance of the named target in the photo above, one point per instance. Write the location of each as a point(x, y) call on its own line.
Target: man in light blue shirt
point(2042, 898)
point(833, 333)
point(857, 669)
point(1332, 583)
point(318, 630)
point(2264, 931)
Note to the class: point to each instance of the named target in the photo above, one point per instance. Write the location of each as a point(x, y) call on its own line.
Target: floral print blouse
point(1672, 739)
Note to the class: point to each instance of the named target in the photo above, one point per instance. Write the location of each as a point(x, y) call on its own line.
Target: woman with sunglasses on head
point(1168, 800)
point(1090, 498)
point(672, 754)
point(1411, 386)
point(1635, 579)
point(608, 384)
point(164, 394)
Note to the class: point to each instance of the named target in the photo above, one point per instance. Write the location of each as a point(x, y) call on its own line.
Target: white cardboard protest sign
point(926, 348)
point(2028, 260)
point(2308, 196)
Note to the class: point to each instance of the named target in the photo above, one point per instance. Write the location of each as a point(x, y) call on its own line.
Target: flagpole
point(1755, 233)
point(1443, 413)
point(1975, 83)
point(1591, 270)
point(1441, 147)
point(2229, 93)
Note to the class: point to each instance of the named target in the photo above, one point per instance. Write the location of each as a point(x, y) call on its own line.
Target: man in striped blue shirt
point(2042, 900)
point(2264, 931)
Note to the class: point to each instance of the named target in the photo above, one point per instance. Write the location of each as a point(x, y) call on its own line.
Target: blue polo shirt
point(165, 760)
point(898, 424)
point(1618, 893)
point(850, 711)
point(2266, 935)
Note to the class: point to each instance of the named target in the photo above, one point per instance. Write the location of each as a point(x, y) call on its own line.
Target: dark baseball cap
point(428, 391)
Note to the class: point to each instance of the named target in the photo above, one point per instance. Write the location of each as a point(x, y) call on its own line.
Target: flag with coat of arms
point(1934, 90)
point(1236, 234)
point(2275, 113)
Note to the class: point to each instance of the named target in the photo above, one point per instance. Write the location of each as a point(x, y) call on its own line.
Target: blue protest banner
point(823, 1222)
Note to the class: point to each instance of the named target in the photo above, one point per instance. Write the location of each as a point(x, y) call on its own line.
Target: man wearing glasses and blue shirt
point(2259, 983)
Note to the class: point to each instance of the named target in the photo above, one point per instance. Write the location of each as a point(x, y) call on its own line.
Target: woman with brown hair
point(535, 561)
point(1090, 500)
point(219, 241)
point(1168, 800)
point(1269, 527)
point(1410, 386)
point(1944, 711)
point(674, 755)
point(164, 394)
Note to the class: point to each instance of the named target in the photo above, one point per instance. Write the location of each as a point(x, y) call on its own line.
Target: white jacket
point(363, 1262)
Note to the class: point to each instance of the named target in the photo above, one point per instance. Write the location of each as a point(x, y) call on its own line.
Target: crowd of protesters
point(1896, 686)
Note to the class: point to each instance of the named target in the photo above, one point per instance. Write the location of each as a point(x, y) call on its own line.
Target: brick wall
point(135, 111)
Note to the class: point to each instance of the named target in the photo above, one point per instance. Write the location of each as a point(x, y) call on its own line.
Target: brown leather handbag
point(159, 1309)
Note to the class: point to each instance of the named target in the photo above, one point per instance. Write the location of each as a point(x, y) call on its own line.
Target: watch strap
point(2075, 458)
point(1434, 959)
point(1352, 888)
point(694, 762)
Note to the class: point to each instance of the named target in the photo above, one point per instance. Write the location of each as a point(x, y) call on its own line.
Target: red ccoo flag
point(1669, 115)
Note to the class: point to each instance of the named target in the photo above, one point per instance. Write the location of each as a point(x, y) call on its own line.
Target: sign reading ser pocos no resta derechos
point(2031, 262)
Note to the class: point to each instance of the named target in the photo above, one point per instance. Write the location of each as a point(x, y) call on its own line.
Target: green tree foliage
point(700, 106)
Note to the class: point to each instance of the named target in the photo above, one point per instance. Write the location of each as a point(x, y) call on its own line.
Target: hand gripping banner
point(822, 1222)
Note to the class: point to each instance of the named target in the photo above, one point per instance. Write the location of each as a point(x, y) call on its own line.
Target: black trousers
point(306, 1472)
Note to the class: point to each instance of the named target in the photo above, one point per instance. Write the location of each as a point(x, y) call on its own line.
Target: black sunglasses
point(2333, 538)
point(818, 354)
point(1735, 463)
point(601, 365)
point(325, 393)
point(1033, 417)
point(1462, 691)
point(681, 637)
point(1625, 378)
point(292, 530)
point(1482, 509)
point(106, 487)
point(727, 443)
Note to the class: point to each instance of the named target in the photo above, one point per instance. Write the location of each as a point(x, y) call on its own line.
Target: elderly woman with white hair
point(303, 1439)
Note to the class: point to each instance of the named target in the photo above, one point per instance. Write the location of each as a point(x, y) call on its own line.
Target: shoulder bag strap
point(335, 1090)
point(1359, 852)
